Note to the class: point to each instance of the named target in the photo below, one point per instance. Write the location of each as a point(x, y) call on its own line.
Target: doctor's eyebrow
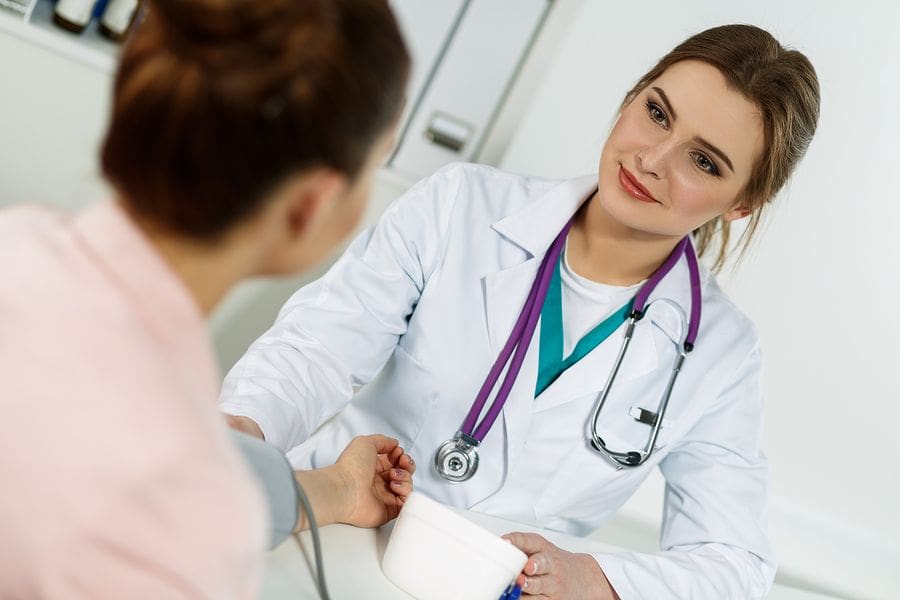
point(665, 100)
point(699, 140)
point(716, 151)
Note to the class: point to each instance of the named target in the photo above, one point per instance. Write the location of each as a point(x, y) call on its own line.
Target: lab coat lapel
point(506, 292)
point(532, 229)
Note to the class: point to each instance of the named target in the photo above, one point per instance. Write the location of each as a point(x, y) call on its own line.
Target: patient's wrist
point(327, 491)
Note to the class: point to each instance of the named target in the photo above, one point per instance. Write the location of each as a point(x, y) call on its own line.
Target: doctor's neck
point(603, 250)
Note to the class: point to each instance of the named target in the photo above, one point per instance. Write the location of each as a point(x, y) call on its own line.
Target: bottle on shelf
point(119, 18)
point(73, 15)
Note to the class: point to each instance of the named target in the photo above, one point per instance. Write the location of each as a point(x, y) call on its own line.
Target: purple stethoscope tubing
point(521, 335)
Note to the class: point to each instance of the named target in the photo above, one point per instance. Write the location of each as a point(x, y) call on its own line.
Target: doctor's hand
point(377, 476)
point(553, 573)
point(245, 425)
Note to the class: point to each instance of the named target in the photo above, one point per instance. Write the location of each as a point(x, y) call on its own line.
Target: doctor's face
point(680, 153)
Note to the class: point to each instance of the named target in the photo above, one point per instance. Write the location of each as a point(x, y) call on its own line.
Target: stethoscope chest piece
point(457, 458)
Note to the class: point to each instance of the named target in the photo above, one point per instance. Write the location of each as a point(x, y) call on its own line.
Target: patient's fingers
point(401, 488)
point(400, 475)
point(406, 462)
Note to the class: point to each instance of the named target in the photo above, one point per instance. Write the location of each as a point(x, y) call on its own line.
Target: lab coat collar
point(534, 227)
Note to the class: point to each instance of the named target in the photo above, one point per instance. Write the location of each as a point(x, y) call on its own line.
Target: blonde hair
point(782, 83)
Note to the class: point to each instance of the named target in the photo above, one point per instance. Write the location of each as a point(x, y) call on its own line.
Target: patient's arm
point(366, 487)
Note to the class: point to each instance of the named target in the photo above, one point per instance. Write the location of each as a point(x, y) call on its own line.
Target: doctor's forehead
point(706, 106)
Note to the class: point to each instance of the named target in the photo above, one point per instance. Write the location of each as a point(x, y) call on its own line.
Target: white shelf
point(88, 47)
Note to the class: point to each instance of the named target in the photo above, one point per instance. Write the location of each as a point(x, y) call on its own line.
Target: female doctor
point(426, 308)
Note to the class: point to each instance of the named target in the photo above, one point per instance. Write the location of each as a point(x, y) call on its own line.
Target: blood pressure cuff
point(275, 476)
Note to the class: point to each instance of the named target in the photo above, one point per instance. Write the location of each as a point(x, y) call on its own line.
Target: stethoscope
point(457, 459)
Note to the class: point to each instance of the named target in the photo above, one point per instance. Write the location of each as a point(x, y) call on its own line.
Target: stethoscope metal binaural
point(456, 459)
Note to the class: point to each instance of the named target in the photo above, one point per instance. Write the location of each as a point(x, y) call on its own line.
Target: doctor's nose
point(651, 161)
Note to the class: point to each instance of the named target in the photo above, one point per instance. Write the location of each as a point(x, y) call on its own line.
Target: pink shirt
point(116, 477)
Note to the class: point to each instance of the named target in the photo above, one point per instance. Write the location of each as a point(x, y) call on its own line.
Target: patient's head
point(222, 107)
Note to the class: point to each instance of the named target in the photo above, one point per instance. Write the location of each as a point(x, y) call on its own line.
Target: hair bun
point(216, 102)
point(195, 27)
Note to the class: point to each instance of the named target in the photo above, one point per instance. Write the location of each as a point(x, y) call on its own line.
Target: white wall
point(52, 115)
point(823, 284)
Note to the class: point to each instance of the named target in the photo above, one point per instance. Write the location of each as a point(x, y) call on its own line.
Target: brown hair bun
point(215, 101)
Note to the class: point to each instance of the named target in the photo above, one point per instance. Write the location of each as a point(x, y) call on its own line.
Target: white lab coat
point(416, 311)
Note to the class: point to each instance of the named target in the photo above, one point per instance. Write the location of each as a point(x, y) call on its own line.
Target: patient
point(242, 142)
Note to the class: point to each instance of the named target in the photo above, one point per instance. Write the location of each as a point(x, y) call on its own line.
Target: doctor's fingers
point(529, 543)
point(538, 564)
point(542, 586)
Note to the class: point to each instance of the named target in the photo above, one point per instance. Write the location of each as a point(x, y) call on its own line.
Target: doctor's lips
point(634, 188)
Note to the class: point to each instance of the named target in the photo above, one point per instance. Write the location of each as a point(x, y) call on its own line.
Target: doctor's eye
point(704, 163)
point(656, 114)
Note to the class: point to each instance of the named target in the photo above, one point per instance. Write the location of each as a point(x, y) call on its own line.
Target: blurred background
point(532, 86)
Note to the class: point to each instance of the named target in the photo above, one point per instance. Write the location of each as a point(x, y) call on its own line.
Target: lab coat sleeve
point(713, 532)
point(338, 332)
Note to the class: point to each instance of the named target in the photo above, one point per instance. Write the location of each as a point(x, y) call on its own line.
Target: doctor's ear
point(736, 214)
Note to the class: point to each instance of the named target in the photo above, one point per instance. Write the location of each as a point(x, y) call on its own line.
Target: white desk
point(352, 559)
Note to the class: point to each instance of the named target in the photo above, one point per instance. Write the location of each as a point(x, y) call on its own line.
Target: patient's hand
point(377, 479)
